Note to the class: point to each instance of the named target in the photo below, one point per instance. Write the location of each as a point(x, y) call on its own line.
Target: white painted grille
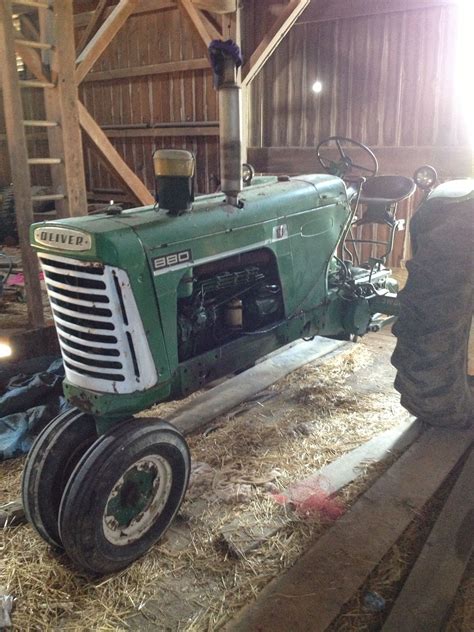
point(102, 339)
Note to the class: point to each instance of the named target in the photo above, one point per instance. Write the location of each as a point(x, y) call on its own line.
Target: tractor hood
point(110, 238)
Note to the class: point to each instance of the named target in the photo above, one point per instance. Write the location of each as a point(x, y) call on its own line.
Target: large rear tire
point(434, 325)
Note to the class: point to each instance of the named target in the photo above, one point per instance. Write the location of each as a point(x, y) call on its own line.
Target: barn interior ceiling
point(384, 73)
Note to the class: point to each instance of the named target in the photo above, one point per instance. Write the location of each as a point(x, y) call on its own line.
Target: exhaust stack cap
point(174, 177)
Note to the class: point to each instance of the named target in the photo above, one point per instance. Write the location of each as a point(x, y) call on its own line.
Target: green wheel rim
point(136, 500)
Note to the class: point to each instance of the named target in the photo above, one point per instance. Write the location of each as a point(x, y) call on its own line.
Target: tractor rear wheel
point(436, 308)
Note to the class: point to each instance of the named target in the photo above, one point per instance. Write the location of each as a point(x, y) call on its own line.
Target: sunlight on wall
point(5, 350)
point(464, 70)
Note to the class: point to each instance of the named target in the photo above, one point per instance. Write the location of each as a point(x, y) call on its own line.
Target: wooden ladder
point(54, 74)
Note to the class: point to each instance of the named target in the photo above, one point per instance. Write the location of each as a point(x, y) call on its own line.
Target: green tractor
point(150, 304)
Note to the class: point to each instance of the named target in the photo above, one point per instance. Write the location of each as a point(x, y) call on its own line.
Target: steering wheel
point(334, 155)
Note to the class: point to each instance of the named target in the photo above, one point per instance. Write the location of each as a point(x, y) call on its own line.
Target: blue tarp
point(29, 402)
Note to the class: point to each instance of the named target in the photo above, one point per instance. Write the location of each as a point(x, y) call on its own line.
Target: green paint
point(133, 497)
point(313, 213)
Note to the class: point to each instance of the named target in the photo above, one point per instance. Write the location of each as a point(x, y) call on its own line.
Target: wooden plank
point(144, 6)
point(17, 149)
point(103, 37)
point(241, 536)
point(311, 593)
point(150, 69)
point(449, 161)
point(226, 396)
point(92, 25)
point(432, 584)
point(32, 61)
point(33, 4)
point(207, 31)
point(216, 6)
point(113, 158)
point(32, 44)
point(347, 9)
point(272, 39)
point(155, 132)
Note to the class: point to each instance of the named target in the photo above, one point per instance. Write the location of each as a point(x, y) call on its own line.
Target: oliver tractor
point(152, 303)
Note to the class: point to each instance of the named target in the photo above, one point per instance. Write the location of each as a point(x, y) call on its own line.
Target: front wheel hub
point(137, 499)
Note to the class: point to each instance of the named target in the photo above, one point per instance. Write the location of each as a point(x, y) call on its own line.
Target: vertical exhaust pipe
point(225, 59)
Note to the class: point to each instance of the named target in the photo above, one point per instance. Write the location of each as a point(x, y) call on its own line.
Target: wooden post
point(17, 150)
point(65, 141)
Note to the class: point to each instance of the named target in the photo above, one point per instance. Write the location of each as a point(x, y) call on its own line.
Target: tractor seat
point(386, 190)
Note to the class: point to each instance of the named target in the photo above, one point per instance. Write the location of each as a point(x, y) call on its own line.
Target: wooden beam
point(103, 37)
point(154, 132)
point(240, 388)
point(207, 31)
point(217, 6)
point(151, 69)
point(91, 26)
point(451, 162)
point(303, 598)
point(347, 9)
point(145, 6)
point(243, 534)
point(272, 39)
point(431, 587)
point(17, 149)
point(113, 158)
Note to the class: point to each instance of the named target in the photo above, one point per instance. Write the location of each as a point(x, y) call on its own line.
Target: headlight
point(248, 173)
point(425, 177)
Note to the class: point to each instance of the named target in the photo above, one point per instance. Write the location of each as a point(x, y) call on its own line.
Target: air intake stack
point(174, 177)
point(225, 60)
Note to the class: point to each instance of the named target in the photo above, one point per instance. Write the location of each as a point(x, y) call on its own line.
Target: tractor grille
point(100, 331)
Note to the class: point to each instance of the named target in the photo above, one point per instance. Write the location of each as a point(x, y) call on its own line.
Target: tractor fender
point(453, 191)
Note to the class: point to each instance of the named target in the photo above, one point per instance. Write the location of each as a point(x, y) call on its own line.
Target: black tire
point(99, 487)
point(436, 308)
point(51, 460)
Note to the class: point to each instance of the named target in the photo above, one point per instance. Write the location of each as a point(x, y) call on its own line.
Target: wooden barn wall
point(388, 81)
point(175, 98)
point(141, 101)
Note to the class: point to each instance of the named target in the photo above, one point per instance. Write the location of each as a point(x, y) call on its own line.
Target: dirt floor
point(189, 581)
